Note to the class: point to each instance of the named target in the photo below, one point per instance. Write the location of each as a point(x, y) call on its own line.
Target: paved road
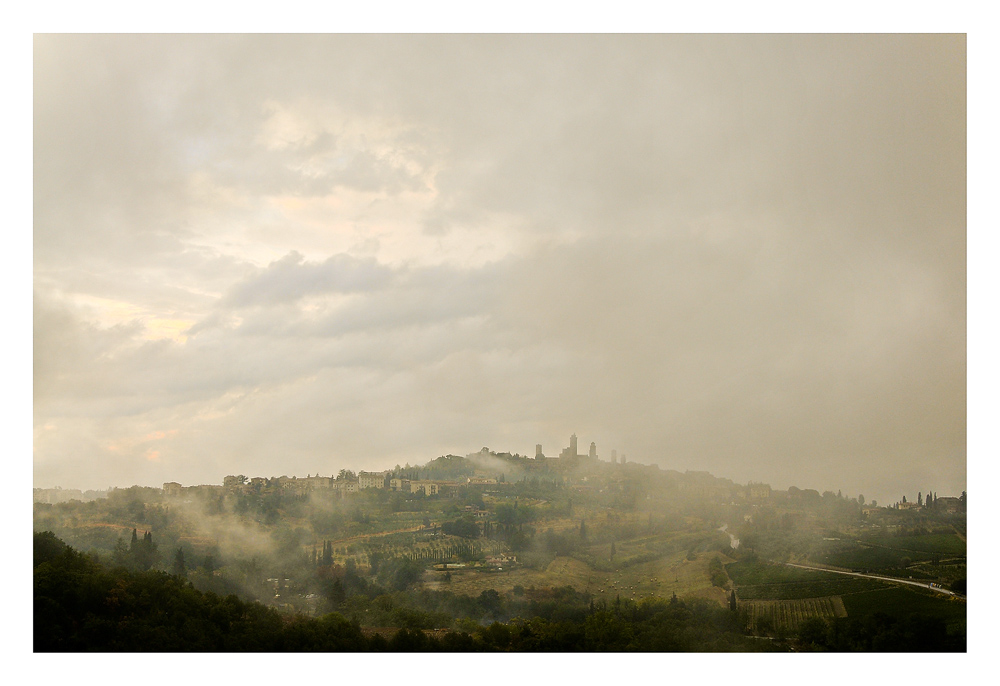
point(910, 582)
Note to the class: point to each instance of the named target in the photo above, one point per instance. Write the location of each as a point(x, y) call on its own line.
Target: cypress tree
point(179, 568)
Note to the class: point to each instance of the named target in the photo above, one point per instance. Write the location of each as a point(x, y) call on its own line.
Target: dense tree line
point(81, 605)
point(880, 632)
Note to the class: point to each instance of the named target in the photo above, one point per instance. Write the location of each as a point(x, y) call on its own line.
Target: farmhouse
point(343, 486)
point(371, 480)
point(425, 487)
point(948, 504)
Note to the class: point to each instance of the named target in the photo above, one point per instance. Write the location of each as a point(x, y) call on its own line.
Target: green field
point(809, 589)
point(762, 581)
point(660, 578)
point(944, 544)
point(896, 601)
point(643, 549)
point(888, 552)
point(858, 557)
point(749, 572)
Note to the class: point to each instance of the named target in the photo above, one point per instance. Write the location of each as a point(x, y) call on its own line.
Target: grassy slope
point(658, 578)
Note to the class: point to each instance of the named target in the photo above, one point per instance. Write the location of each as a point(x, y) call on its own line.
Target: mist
point(742, 254)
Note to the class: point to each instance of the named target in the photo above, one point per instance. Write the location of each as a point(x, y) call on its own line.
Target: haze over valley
point(547, 342)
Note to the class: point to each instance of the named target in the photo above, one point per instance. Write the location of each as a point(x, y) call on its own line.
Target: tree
point(491, 601)
point(337, 594)
point(861, 500)
point(920, 499)
point(179, 568)
point(141, 554)
point(814, 631)
point(732, 600)
point(121, 555)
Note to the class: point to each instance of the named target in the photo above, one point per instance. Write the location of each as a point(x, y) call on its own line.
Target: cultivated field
point(898, 601)
point(767, 616)
point(891, 552)
point(945, 544)
point(657, 578)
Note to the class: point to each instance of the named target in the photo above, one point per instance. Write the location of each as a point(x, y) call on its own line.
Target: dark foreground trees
point(81, 605)
point(880, 632)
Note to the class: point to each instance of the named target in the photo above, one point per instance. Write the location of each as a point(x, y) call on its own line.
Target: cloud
point(292, 278)
point(740, 253)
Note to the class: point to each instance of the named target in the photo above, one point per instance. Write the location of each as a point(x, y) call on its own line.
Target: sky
point(266, 255)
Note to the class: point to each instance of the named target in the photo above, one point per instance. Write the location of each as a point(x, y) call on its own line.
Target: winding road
point(894, 580)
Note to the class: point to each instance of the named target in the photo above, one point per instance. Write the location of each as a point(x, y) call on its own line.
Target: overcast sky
point(290, 255)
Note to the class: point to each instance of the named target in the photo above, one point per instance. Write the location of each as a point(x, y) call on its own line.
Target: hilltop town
point(446, 476)
point(508, 530)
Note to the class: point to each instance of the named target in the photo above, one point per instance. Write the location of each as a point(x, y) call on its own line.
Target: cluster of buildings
point(338, 485)
point(572, 453)
point(947, 504)
point(63, 495)
point(348, 482)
